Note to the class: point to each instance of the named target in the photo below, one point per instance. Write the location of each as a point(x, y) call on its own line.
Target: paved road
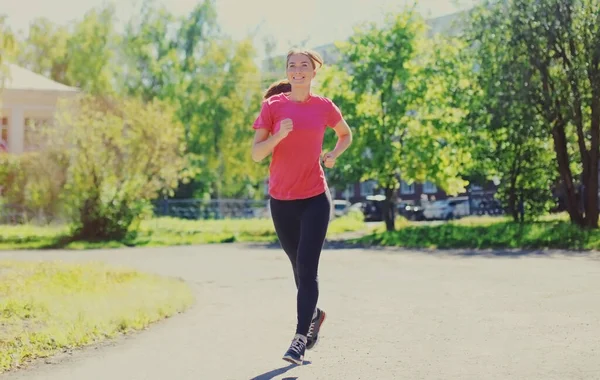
point(392, 315)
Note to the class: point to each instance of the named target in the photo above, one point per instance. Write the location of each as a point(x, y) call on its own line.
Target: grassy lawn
point(165, 232)
point(46, 308)
point(553, 231)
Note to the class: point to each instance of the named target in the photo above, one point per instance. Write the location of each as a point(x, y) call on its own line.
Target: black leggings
point(301, 226)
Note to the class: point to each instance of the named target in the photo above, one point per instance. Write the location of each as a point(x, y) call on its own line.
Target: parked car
point(489, 207)
point(341, 207)
point(358, 206)
point(411, 211)
point(446, 209)
point(372, 208)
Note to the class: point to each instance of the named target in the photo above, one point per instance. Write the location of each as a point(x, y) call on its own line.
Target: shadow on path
point(279, 371)
point(456, 252)
point(329, 244)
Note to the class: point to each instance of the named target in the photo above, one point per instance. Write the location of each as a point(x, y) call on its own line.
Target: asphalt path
point(392, 314)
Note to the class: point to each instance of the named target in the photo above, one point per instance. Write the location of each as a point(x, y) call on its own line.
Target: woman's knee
point(306, 274)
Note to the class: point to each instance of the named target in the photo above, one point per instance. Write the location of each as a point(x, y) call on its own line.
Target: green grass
point(165, 232)
point(46, 308)
point(552, 231)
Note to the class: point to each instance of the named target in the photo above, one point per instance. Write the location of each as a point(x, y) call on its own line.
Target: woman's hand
point(286, 126)
point(329, 159)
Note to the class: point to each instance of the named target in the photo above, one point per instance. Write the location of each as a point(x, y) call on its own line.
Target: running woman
point(291, 126)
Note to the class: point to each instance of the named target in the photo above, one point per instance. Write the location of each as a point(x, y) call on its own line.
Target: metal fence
point(484, 203)
point(195, 209)
point(176, 208)
point(10, 214)
point(212, 209)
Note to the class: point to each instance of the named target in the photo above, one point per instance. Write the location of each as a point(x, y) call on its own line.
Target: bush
point(31, 184)
point(123, 155)
point(555, 234)
point(101, 161)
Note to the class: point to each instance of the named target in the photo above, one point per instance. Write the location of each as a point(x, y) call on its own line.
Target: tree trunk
point(591, 180)
point(512, 201)
point(389, 214)
point(512, 191)
point(521, 207)
point(562, 156)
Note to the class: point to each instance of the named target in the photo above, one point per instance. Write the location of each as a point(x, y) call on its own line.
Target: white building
point(26, 97)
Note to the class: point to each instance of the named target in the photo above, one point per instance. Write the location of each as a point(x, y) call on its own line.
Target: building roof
point(19, 78)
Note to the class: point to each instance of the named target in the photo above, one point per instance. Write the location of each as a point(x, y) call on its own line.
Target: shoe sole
point(318, 331)
point(293, 361)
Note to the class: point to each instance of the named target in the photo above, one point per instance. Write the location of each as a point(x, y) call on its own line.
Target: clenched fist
point(329, 160)
point(285, 128)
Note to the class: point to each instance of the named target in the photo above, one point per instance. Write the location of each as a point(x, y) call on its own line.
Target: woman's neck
point(300, 94)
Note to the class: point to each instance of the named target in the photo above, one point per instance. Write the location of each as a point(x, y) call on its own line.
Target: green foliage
point(335, 83)
point(82, 55)
point(91, 52)
point(44, 50)
point(541, 61)
point(517, 97)
point(7, 42)
point(215, 85)
point(230, 103)
point(514, 143)
point(120, 155)
point(211, 81)
point(33, 183)
point(499, 234)
point(403, 94)
point(380, 61)
point(437, 144)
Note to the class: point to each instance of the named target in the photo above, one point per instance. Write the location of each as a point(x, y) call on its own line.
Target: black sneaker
point(295, 354)
point(313, 331)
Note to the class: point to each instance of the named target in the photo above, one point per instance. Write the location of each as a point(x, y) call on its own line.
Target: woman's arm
point(263, 144)
point(344, 135)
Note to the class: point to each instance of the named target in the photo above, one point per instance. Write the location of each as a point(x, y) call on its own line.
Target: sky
point(317, 22)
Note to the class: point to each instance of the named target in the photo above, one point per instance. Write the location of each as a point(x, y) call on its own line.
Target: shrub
point(101, 162)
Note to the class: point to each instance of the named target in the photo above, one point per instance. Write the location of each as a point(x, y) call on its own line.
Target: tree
point(44, 49)
point(214, 84)
point(336, 83)
point(82, 56)
point(91, 51)
point(150, 55)
point(238, 95)
point(7, 41)
point(561, 42)
point(511, 140)
point(408, 108)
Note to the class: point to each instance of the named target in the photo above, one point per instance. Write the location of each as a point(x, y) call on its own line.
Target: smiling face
point(300, 70)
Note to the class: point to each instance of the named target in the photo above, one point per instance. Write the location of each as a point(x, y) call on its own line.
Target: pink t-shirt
point(295, 170)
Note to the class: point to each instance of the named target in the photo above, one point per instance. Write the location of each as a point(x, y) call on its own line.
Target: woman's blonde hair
point(284, 85)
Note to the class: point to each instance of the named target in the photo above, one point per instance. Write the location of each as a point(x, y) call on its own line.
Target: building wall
point(3, 134)
point(20, 107)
